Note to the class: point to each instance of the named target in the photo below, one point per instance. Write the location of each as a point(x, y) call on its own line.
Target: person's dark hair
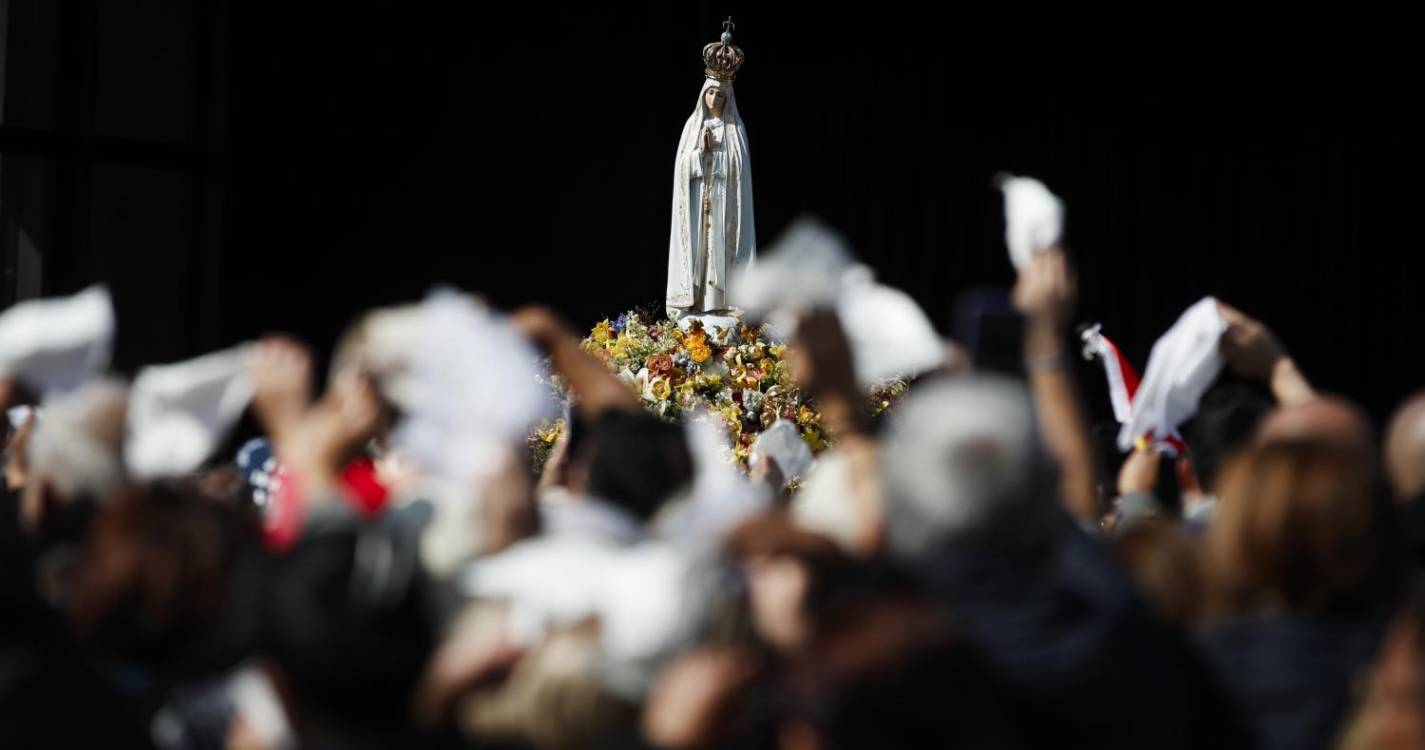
point(637, 460)
point(1225, 421)
point(347, 649)
point(157, 582)
point(895, 672)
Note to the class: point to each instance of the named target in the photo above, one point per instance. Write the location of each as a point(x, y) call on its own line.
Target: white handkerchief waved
point(475, 388)
point(801, 271)
point(811, 267)
point(57, 344)
point(889, 334)
point(179, 413)
point(1182, 366)
point(1033, 218)
point(784, 445)
point(721, 496)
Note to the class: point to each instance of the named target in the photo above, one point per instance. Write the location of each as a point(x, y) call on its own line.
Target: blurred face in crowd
point(777, 586)
point(783, 566)
point(1405, 449)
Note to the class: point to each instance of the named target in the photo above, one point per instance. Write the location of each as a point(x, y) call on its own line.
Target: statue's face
point(714, 98)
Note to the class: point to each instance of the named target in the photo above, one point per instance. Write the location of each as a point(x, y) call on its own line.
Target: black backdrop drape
point(526, 154)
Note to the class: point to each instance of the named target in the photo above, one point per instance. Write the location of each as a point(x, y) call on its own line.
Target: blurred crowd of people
point(991, 576)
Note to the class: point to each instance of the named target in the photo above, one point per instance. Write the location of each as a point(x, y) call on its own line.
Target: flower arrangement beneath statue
point(736, 372)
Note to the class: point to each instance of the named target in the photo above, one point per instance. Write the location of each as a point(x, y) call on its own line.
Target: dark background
point(237, 167)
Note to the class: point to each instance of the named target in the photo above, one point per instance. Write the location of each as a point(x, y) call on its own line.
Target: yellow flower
point(551, 434)
point(623, 345)
point(662, 389)
point(743, 377)
point(806, 416)
point(700, 353)
point(778, 350)
point(732, 415)
point(604, 330)
point(766, 365)
point(813, 439)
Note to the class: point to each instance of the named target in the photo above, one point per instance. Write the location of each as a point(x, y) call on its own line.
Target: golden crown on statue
point(722, 58)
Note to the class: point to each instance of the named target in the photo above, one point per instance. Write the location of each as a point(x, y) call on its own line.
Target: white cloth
point(593, 561)
point(179, 413)
point(721, 498)
point(1182, 366)
point(563, 514)
point(811, 267)
point(57, 344)
point(648, 598)
point(700, 272)
point(1033, 218)
point(1098, 345)
point(889, 334)
point(784, 444)
point(826, 505)
point(473, 392)
point(802, 271)
point(19, 415)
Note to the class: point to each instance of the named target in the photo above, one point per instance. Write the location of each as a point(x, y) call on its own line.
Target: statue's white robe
point(703, 264)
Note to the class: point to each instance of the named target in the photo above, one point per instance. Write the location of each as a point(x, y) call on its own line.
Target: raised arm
point(1045, 294)
point(1253, 351)
point(596, 388)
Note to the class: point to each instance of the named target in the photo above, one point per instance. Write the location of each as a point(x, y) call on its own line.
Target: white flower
point(642, 381)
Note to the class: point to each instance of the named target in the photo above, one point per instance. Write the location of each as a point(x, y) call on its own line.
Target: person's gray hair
point(964, 464)
point(77, 445)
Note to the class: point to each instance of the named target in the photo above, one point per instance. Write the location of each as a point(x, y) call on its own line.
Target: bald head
point(1328, 420)
point(1405, 448)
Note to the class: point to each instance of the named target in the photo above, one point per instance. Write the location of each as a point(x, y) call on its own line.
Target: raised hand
point(1046, 290)
point(314, 440)
point(1250, 348)
point(281, 372)
point(1253, 351)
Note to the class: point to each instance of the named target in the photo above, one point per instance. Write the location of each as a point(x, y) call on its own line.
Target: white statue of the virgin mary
point(712, 240)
